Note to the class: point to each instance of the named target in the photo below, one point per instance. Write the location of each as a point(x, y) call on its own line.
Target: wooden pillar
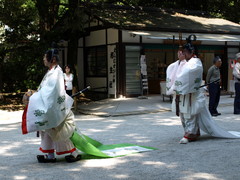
point(173, 48)
point(224, 69)
point(121, 67)
point(106, 43)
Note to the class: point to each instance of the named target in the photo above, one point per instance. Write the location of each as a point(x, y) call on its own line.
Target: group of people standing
point(213, 80)
point(184, 82)
point(49, 108)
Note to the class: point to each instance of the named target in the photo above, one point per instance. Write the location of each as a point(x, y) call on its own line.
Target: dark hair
point(52, 53)
point(189, 46)
point(217, 58)
point(68, 67)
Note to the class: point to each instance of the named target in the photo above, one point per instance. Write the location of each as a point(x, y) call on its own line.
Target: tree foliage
point(228, 9)
point(18, 43)
point(26, 34)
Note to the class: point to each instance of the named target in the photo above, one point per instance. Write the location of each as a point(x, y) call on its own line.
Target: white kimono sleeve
point(172, 71)
point(236, 70)
point(50, 105)
point(189, 79)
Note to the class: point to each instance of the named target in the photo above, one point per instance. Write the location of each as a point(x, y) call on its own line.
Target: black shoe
point(214, 114)
point(219, 114)
point(44, 159)
point(71, 158)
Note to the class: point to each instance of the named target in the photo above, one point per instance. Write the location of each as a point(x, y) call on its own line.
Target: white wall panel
point(96, 38)
point(97, 82)
point(130, 37)
point(112, 60)
point(112, 36)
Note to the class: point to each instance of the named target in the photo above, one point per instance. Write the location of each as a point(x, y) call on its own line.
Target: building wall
point(96, 38)
point(64, 44)
point(80, 42)
point(149, 40)
point(128, 37)
point(207, 55)
point(112, 63)
point(112, 36)
point(63, 53)
point(112, 39)
point(97, 83)
point(80, 68)
point(80, 64)
point(233, 43)
point(218, 43)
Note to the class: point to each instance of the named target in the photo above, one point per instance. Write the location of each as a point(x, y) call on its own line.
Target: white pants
point(50, 146)
point(58, 139)
point(191, 126)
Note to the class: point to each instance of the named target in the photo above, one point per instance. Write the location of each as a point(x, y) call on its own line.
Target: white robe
point(184, 78)
point(49, 106)
point(236, 72)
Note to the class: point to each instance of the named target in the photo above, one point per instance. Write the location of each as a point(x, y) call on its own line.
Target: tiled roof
point(154, 19)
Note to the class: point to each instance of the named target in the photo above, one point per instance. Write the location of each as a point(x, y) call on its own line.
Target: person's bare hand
point(26, 96)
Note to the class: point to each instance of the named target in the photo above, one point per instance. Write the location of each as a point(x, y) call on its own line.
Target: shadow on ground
point(208, 158)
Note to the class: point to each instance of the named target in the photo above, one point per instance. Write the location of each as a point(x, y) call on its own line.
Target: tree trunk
point(72, 57)
point(73, 39)
point(48, 13)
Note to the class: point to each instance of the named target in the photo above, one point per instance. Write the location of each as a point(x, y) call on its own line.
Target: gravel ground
point(207, 158)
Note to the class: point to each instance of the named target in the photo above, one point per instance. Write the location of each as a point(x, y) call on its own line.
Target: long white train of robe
point(184, 78)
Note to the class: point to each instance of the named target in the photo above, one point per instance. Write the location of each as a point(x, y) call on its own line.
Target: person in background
point(68, 78)
point(214, 88)
point(236, 75)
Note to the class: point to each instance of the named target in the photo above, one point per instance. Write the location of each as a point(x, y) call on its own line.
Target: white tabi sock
point(75, 153)
point(183, 141)
point(51, 155)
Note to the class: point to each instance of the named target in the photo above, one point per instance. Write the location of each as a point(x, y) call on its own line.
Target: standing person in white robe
point(48, 111)
point(236, 75)
point(184, 77)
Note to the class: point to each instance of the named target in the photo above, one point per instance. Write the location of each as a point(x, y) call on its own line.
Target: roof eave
point(160, 29)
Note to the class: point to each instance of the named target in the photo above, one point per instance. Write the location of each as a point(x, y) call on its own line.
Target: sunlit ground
point(206, 159)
